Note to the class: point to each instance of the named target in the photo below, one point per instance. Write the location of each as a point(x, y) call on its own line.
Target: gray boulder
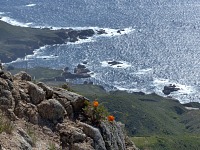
point(95, 134)
point(77, 101)
point(47, 89)
point(51, 110)
point(113, 136)
point(36, 93)
point(6, 99)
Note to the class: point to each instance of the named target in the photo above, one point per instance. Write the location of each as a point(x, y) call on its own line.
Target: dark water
point(164, 47)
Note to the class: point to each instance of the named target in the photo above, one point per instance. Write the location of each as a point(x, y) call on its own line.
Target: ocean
point(160, 44)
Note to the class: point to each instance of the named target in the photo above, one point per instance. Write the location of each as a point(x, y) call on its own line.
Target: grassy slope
point(178, 142)
point(39, 73)
point(154, 121)
point(16, 41)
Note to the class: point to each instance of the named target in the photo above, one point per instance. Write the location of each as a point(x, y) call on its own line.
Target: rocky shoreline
point(17, 42)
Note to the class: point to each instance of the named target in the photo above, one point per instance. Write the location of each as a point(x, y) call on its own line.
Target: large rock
point(73, 137)
point(3, 84)
point(170, 88)
point(27, 111)
point(95, 134)
point(7, 75)
point(22, 75)
point(6, 99)
point(67, 105)
point(51, 110)
point(36, 93)
point(113, 136)
point(77, 101)
point(70, 134)
point(47, 89)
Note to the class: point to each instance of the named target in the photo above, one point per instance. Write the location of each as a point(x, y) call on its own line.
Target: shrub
point(30, 131)
point(52, 146)
point(66, 87)
point(95, 112)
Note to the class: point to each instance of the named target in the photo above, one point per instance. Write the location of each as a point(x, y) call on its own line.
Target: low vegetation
point(30, 131)
point(52, 146)
point(39, 73)
point(5, 124)
point(95, 112)
point(177, 142)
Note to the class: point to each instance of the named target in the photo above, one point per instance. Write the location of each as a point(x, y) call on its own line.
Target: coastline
point(28, 46)
point(17, 42)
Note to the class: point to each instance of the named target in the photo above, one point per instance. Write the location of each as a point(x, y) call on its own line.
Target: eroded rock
point(22, 75)
point(36, 93)
point(51, 110)
point(47, 89)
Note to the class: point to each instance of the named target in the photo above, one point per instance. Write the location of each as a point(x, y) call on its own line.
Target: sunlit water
point(161, 44)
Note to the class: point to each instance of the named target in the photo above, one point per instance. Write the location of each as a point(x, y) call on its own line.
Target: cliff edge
point(37, 116)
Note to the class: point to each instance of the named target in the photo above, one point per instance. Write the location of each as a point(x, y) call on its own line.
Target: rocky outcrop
point(170, 88)
point(80, 71)
point(51, 110)
point(54, 116)
point(15, 45)
point(112, 63)
point(22, 76)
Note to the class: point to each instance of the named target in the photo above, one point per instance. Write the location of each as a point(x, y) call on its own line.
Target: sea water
point(160, 44)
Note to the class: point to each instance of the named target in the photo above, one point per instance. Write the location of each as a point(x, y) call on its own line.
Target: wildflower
point(95, 103)
point(111, 118)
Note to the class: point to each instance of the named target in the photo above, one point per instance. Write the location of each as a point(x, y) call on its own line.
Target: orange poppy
point(111, 118)
point(95, 103)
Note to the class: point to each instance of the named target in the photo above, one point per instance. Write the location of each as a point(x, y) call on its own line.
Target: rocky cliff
point(42, 117)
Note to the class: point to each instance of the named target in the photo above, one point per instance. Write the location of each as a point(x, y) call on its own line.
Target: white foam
point(160, 81)
point(115, 32)
point(92, 74)
point(2, 13)
point(184, 89)
point(126, 89)
point(109, 32)
point(47, 57)
point(144, 71)
point(35, 54)
point(123, 64)
point(191, 108)
point(15, 22)
point(31, 5)
point(81, 41)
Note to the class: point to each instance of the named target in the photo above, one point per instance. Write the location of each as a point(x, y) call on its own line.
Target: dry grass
point(5, 124)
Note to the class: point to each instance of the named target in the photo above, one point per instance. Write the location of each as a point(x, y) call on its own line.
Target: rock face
point(54, 115)
point(170, 88)
point(112, 63)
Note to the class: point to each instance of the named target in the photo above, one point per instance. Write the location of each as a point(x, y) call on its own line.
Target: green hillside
point(17, 41)
point(154, 122)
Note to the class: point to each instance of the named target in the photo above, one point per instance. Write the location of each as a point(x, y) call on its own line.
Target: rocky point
point(44, 117)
